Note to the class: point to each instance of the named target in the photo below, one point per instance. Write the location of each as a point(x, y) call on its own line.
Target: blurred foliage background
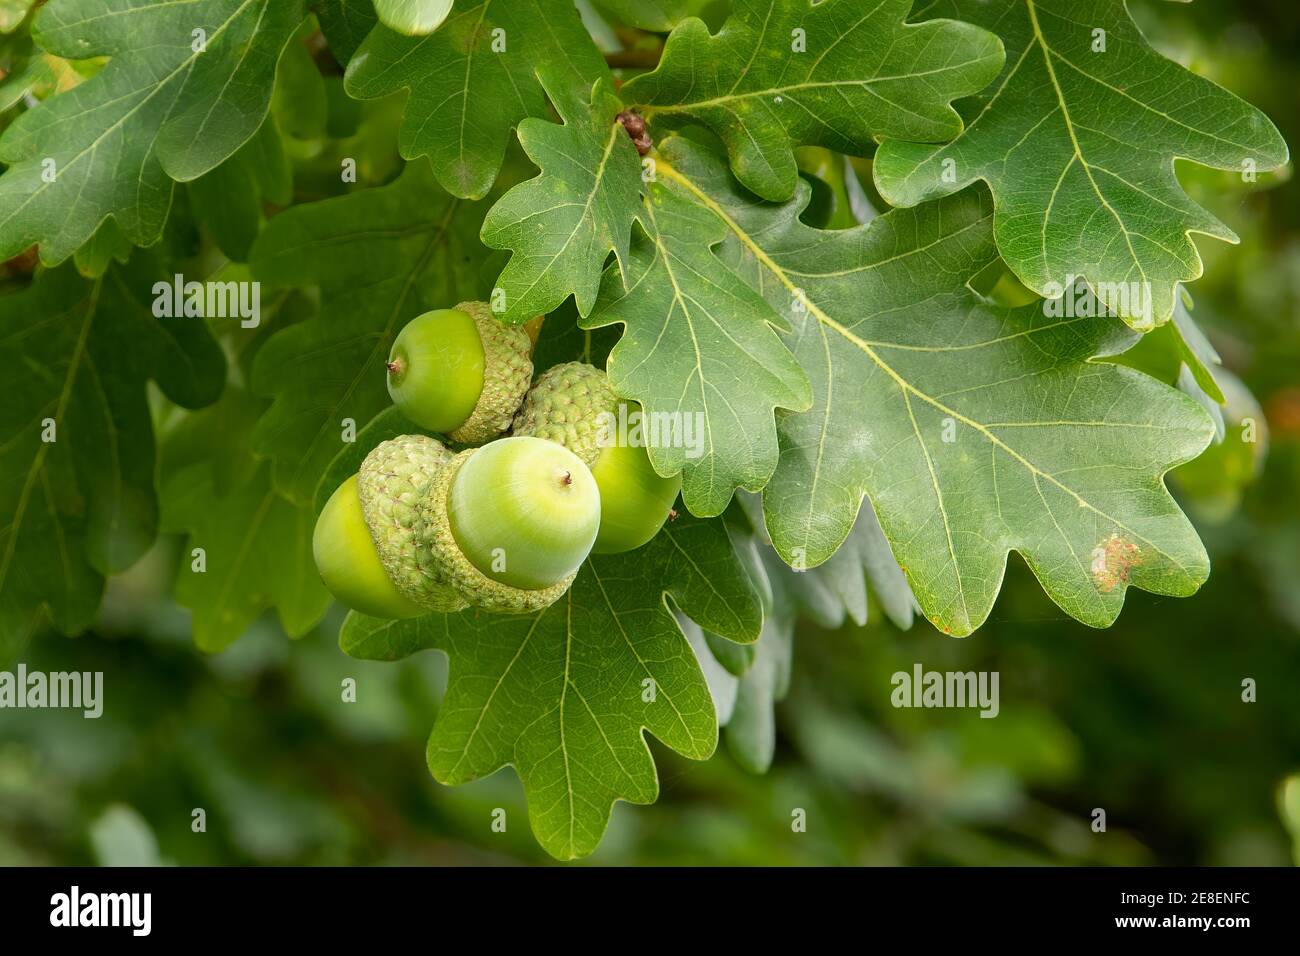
point(1145, 720)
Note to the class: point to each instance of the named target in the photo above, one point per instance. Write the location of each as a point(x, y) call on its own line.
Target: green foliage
point(698, 341)
point(1100, 117)
point(161, 110)
point(474, 80)
point(870, 75)
point(973, 407)
point(77, 501)
point(825, 271)
point(563, 695)
point(581, 207)
point(380, 258)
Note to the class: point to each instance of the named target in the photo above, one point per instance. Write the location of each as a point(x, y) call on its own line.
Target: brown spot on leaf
point(1112, 561)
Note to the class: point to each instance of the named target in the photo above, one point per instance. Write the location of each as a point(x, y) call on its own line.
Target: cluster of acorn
point(505, 523)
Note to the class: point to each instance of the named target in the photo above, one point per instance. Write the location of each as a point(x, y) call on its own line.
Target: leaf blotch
point(1113, 560)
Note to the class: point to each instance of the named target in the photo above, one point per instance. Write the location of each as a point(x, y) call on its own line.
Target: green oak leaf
point(228, 200)
point(733, 657)
point(105, 247)
point(656, 15)
point(721, 681)
point(380, 258)
point(158, 111)
point(1196, 350)
point(256, 545)
point(835, 591)
point(699, 347)
point(345, 24)
point(256, 553)
point(838, 73)
point(77, 456)
point(474, 79)
point(975, 430)
point(745, 698)
point(751, 730)
point(412, 17)
point(1077, 143)
point(562, 225)
point(28, 73)
point(299, 103)
point(562, 695)
point(1179, 353)
point(747, 686)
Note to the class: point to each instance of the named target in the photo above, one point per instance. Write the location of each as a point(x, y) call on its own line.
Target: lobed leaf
point(838, 73)
point(186, 85)
point(562, 225)
point(77, 499)
point(474, 80)
point(699, 351)
point(1077, 140)
point(974, 430)
point(256, 547)
point(566, 695)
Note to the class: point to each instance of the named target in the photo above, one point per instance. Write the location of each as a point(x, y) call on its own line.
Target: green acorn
point(508, 525)
point(460, 372)
point(418, 529)
point(364, 541)
point(348, 560)
point(574, 405)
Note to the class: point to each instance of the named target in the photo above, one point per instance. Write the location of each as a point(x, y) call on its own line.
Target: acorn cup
point(364, 541)
point(573, 405)
point(460, 372)
point(419, 530)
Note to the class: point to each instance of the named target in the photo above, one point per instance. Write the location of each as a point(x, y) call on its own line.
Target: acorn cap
point(507, 370)
point(439, 554)
point(565, 406)
point(393, 478)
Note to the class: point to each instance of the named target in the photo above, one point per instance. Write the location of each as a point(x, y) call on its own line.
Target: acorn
point(575, 406)
point(508, 525)
point(419, 529)
point(364, 542)
point(460, 372)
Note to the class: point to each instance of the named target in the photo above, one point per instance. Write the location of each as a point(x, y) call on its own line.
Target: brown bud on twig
point(634, 123)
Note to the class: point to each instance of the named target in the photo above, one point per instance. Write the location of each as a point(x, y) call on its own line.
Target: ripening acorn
point(573, 405)
point(460, 372)
point(508, 525)
point(348, 560)
point(364, 541)
point(419, 529)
